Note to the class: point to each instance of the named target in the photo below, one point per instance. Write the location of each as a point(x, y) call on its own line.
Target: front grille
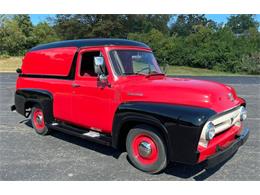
point(222, 122)
point(226, 120)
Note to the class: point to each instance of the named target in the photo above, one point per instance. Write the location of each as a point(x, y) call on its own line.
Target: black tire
point(155, 165)
point(39, 128)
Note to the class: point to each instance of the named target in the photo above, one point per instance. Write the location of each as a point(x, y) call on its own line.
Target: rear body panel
point(55, 62)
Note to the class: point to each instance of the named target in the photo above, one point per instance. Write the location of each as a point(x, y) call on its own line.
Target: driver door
point(91, 102)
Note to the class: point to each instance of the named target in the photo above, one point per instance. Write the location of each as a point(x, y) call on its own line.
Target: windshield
point(130, 62)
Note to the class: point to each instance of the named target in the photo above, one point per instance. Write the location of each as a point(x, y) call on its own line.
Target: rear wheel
point(146, 149)
point(38, 122)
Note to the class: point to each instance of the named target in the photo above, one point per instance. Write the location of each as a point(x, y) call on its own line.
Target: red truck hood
point(181, 91)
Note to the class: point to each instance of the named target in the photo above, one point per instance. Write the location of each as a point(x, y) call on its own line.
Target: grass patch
point(10, 64)
point(184, 70)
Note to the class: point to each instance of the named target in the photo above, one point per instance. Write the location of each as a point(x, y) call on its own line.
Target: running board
point(82, 133)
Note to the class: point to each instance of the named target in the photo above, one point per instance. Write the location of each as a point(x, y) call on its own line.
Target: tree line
point(181, 40)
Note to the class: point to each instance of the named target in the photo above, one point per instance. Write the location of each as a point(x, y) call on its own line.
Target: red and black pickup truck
point(112, 91)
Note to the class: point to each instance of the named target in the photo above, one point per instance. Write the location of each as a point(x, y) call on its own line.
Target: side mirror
point(100, 70)
point(99, 65)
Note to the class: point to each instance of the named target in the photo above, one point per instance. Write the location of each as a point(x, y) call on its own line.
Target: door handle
point(75, 85)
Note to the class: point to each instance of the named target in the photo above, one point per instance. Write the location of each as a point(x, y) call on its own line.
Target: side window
point(87, 63)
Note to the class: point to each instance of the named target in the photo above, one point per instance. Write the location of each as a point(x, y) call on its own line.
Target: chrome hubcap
point(39, 118)
point(144, 149)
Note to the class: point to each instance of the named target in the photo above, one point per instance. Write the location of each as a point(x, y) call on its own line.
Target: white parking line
point(244, 95)
point(253, 119)
point(241, 84)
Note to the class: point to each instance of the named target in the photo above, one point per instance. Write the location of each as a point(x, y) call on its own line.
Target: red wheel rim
point(144, 149)
point(38, 119)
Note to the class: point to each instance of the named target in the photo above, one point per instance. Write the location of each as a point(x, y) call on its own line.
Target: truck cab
point(112, 91)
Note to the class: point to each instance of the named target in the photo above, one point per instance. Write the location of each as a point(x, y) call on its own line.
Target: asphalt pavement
point(24, 155)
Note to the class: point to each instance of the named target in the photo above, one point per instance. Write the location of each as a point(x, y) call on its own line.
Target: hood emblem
point(231, 97)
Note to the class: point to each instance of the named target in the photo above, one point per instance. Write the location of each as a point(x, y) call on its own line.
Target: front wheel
point(38, 122)
point(146, 149)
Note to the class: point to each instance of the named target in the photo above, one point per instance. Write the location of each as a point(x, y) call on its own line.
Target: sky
point(36, 18)
point(219, 18)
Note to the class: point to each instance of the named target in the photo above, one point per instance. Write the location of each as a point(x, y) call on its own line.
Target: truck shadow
point(197, 172)
point(87, 144)
point(81, 142)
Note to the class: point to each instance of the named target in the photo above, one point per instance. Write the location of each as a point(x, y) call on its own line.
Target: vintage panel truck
point(112, 91)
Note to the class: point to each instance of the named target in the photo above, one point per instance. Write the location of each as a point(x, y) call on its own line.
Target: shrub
point(250, 64)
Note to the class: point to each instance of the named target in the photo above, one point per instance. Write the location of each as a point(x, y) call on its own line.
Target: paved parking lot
point(24, 155)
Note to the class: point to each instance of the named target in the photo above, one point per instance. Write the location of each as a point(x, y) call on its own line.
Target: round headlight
point(243, 113)
point(210, 131)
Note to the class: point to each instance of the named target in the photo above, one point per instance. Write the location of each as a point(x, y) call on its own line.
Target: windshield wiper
point(156, 73)
point(127, 73)
point(139, 73)
point(133, 73)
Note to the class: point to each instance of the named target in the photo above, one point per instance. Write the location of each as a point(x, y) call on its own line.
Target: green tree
point(17, 34)
point(145, 23)
point(161, 44)
point(184, 25)
point(3, 18)
point(72, 26)
point(12, 39)
point(88, 26)
point(205, 48)
point(24, 23)
point(191, 40)
point(108, 26)
point(44, 33)
point(240, 24)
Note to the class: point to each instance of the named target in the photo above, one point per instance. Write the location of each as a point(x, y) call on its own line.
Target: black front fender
point(124, 117)
point(180, 125)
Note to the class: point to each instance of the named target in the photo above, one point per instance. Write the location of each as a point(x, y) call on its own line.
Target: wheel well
point(127, 126)
point(28, 107)
point(30, 104)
